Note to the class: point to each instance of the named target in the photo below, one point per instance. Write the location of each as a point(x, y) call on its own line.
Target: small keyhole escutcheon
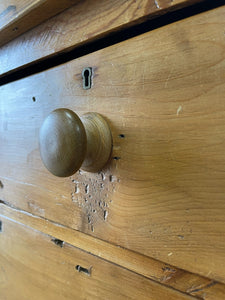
point(87, 78)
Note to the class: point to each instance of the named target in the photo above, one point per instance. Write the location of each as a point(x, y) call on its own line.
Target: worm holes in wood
point(83, 270)
point(116, 157)
point(87, 78)
point(121, 136)
point(34, 99)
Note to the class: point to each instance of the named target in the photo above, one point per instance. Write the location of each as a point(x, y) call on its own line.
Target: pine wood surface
point(87, 20)
point(16, 17)
point(162, 195)
point(181, 280)
point(32, 266)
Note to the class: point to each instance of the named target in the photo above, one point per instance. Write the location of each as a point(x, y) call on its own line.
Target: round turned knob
point(68, 143)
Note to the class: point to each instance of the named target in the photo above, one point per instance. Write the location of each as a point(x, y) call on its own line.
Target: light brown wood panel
point(32, 266)
point(84, 22)
point(18, 16)
point(163, 195)
point(168, 275)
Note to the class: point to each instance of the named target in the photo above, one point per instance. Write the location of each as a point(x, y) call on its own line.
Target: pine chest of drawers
point(151, 223)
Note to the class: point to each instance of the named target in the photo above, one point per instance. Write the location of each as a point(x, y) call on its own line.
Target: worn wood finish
point(163, 193)
point(36, 266)
point(86, 21)
point(18, 16)
point(168, 275)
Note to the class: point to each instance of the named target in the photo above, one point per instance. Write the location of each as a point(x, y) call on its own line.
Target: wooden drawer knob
point(68, 143)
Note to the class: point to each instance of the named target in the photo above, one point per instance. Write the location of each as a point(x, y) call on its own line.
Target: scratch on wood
point(36, 209)
point(179, 110)
point(168, 268)
point(157, 4)
point(169, 273)
point(17, 209)
point(28, 184)
point(169, 76)
point(200, 288)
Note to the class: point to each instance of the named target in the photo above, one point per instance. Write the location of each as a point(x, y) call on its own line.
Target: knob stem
point(99, 142)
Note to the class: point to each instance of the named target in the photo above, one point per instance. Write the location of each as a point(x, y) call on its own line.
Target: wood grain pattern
point(32, 266)
point(163, 193)
point(18, 16)
point(168, 275)
point(86, 21)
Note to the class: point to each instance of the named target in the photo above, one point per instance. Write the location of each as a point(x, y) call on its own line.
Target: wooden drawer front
point(37, 266)
point(22, 15)
point(163, 192)
point(70, 29)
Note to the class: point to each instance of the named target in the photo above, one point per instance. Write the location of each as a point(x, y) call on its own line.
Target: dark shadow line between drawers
point(111, 39)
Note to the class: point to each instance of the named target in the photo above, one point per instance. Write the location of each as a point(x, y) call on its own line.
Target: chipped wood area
point(18, 16)
point(93, 194)
point(181, 280)
point(89, 19)
point(37, 268)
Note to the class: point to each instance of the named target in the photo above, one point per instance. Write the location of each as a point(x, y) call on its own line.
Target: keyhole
point(86, 74)
point(86, 78)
